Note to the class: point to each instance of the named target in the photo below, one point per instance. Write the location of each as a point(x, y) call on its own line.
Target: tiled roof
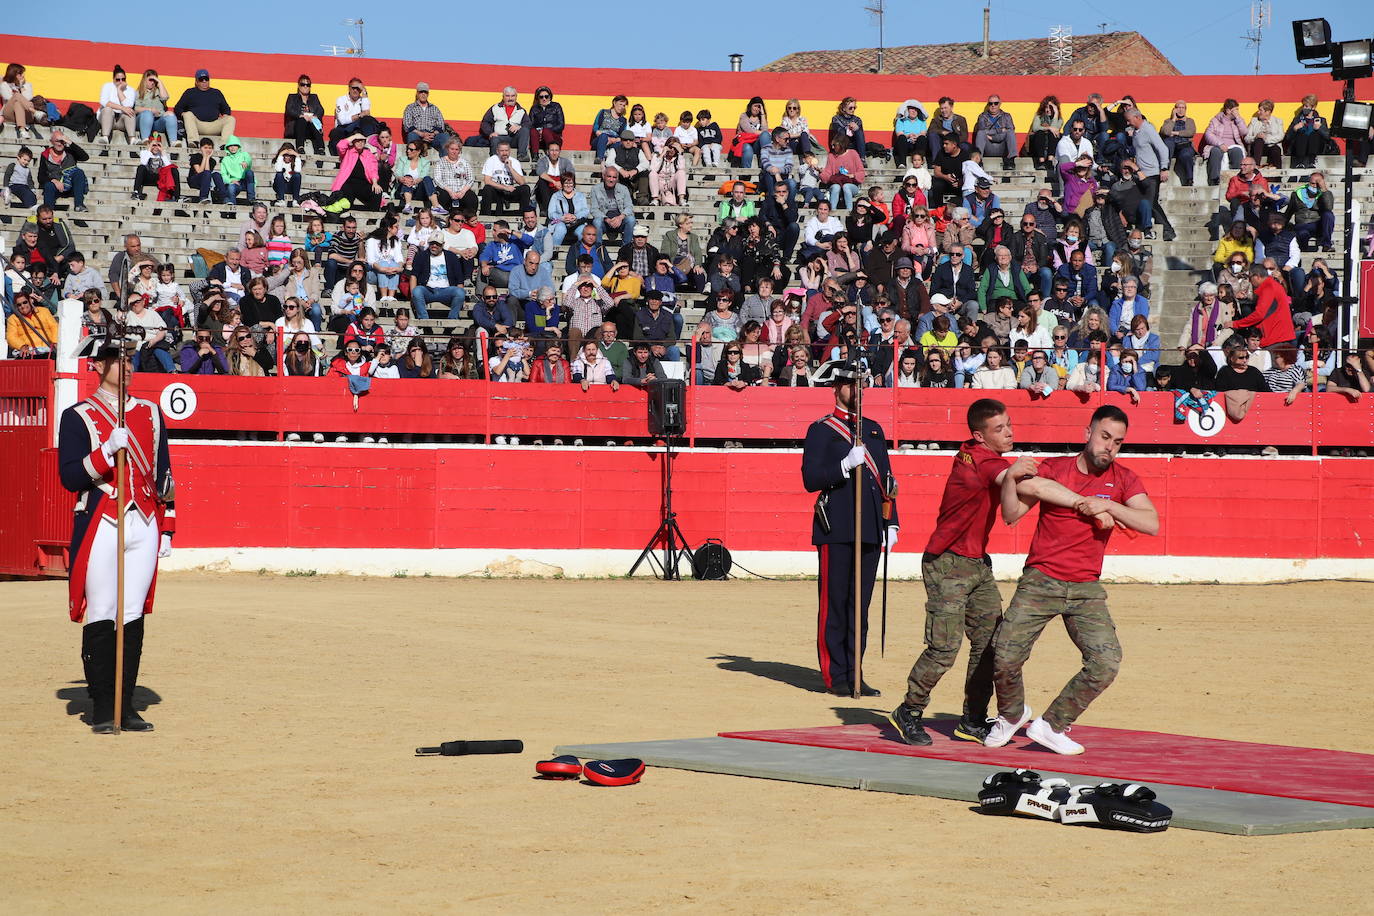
point(1093, 54)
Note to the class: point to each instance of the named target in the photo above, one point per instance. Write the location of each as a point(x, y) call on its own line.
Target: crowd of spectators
point(933, 280)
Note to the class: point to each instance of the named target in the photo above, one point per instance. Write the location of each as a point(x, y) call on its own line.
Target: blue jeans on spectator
point(166, 124)
point(626, 229)
point(423, 190)
point(769, 183)
point(285, 187)
point(1184, 157)
point(808, 197)
point(164, 359)
point(24, 194)
point(848, 191)
point(209, 184)
point(77, 189)
point(439, 142)
point(747, 155)
point(601, 141)
point(245, 184)
point(386, 284)
point(1047, 280)
point(560, 231)
point(1146, 215)
point(450, 296)
point(1322, 228)
point(315, 313)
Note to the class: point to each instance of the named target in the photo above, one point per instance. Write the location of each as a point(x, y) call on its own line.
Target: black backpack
point(81, 120)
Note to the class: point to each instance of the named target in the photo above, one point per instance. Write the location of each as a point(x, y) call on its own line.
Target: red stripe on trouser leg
point(822, 616)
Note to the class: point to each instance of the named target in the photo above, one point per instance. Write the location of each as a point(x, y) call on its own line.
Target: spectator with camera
point(202, 356)
point(1307, 134)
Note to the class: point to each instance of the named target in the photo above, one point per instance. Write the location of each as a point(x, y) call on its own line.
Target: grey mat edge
point(1211, 810)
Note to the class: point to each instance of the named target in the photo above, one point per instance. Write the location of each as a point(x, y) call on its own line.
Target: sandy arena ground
point(281, 775)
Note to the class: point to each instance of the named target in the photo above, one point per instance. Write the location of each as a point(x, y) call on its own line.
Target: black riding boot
point(97, 658)
point(133, 654)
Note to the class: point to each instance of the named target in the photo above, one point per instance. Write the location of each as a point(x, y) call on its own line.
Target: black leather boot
point(97, 658)
point(133, 654)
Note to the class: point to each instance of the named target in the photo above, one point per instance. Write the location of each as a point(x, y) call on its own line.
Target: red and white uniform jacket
point(86, 472)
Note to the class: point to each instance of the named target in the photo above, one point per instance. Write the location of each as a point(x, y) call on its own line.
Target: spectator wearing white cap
point(424, 122)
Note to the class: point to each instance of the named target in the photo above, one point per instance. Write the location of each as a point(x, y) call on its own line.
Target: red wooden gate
point(35, 511)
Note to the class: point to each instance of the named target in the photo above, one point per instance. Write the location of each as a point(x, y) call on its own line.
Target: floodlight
point(1312, 39)
point(1350, 60)
point(1350, 120)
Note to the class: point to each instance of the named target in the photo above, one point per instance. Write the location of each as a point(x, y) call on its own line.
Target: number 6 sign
point(1207, 424)
point(178, 401)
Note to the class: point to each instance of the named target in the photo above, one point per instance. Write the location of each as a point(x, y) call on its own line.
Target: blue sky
point(1197, 42)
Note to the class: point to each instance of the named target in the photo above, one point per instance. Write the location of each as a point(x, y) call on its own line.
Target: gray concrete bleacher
point(175, 230)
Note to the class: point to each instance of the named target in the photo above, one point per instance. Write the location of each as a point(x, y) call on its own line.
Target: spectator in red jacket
point(1273, 313)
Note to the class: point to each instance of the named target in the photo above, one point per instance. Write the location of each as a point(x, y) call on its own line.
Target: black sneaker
point(907, 721)
point(969, 730)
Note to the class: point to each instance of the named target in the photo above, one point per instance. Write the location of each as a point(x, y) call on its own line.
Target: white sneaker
point(500, 440)
point(369, 440)
point(1002, 731)
point(514, 440)
point(293, 437)
point(1041, 733)
point(383, 440)
point(340, 438)
point(318, 437)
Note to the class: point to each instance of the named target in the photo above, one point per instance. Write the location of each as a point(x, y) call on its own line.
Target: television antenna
point(355, 47)
point(879, 9)
point(1061, 46)
point(1261, 17)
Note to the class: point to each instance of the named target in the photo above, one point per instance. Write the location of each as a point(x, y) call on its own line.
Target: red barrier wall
point(420, 498)
point(485, 409)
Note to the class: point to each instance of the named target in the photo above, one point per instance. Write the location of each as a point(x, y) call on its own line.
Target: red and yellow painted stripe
point(257, 85)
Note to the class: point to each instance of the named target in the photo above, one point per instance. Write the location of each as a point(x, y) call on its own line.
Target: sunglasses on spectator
point(202, 338)
point(306, 84)
point(543, 95)
point(887, 319)
point(352, 350)
point(849, 313)
point(290, 307)
point(1061, 337)
point(489, 298)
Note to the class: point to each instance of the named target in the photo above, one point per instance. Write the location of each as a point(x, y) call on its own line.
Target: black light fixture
point(1350, 60)
point(1350, 120)
point(1312, 39)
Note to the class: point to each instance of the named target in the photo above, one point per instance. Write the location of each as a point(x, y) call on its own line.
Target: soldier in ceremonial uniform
point(89, 439)
point(830, 459)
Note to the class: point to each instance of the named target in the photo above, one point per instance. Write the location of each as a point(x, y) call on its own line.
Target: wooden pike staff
point(858, 529)
point(121, 502)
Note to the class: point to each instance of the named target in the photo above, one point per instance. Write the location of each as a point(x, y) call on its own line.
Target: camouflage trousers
point(961, 599)
point(1038, 600)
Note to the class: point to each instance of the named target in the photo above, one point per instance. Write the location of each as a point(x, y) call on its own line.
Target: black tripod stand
point(668, 531)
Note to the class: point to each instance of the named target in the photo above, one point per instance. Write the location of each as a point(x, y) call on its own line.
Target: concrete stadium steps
point(175, 230)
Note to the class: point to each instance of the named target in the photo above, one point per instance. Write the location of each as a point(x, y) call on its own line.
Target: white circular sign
point(178, 401)
point(1207, 424)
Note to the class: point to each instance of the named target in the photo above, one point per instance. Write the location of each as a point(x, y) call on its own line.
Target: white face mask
point(1136, 243)
point(1128, 367)
point(1235, 268)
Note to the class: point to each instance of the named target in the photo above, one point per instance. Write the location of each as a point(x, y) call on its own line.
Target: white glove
point(164, 547)
point(852, 460)
point(891, 538)
point(119, 438)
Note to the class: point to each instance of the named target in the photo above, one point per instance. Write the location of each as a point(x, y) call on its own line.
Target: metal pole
point(855, 621)
point(1347, 261)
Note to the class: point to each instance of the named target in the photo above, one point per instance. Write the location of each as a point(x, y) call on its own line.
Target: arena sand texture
point(281, 776)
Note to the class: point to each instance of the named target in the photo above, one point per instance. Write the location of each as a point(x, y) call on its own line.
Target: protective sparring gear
point(1118, 806)
point(625, 772)
point(565, 766)
point(1023, 792)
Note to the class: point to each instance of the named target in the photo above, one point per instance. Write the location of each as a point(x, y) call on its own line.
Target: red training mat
point(1338, 777)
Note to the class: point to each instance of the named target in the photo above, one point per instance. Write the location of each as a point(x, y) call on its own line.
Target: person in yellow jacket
point(30, 332)
point(1239, 239)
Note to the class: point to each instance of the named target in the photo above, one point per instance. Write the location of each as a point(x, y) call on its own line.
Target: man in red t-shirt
point(961, 596)
point(1061, 579)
